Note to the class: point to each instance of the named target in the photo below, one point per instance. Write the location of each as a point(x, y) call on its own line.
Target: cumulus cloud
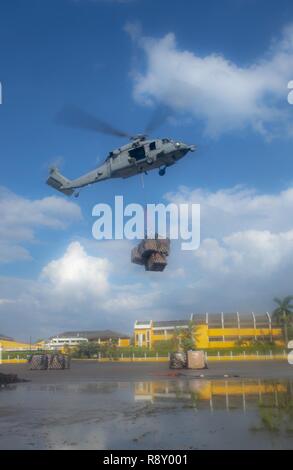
point(238, 208)
point(76, 271)
point(21, 218)
point(249, 253)
point(225, 95)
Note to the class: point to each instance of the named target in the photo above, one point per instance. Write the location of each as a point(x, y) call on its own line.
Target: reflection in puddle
point(215, 394)
point(273, 400)
point(161, 414)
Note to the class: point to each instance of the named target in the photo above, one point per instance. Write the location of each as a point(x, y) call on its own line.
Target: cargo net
point(151, 253)
point(188, 360)
point(178, 360)
point(49, 361)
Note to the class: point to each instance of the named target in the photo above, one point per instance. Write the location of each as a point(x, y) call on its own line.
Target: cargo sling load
point(151, 253)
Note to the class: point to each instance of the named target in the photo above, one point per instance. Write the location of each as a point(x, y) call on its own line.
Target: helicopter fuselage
point(138, 156)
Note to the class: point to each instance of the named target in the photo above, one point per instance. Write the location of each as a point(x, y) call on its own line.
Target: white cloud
point(134, 298)
point(238, 208)
point(21, 218)
point(10, 252)
point(78, 273)
point(251, 253)
point(225, 95)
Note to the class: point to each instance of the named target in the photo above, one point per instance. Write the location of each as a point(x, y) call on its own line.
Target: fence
point(232, 356)
point(155, 357)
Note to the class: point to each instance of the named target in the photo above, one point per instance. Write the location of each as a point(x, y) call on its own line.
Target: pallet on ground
point(38, 362)
point(54, 361)
point(196, 360)
point(178, 360)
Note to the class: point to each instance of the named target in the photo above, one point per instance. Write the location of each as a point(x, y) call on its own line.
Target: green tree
point(165, 346)
point(87, 349)
point(183, 338)
point(283, 313)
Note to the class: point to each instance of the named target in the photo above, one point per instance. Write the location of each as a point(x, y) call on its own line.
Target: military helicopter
point(139, 156)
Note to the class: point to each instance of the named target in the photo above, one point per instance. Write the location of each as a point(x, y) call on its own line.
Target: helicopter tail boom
point(59, 182)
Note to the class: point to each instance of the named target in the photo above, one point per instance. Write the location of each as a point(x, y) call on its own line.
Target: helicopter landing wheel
point(162, 171)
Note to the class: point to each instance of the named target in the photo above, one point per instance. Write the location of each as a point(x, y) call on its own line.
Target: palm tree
point(284, 313)
point(183, 338)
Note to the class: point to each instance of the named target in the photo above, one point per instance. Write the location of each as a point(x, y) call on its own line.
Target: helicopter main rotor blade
point(72, 116)
point(159, 116)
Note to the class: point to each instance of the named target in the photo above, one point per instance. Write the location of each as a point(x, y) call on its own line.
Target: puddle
point(160, 414)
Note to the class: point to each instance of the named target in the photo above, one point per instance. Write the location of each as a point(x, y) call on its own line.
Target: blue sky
point(223, 68)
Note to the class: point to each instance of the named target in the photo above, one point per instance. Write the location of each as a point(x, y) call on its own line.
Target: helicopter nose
point(188, 148)
point(184, 148)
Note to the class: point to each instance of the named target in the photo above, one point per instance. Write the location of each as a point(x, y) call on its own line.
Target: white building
point(59, 342)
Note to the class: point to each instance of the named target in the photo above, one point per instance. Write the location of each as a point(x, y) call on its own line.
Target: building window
point(231, 338)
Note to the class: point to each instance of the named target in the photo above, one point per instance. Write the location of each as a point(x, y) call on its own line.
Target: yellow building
point(220, 330)
point(10, 344)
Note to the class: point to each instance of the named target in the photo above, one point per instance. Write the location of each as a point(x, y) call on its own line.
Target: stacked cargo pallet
point(151, 253)
point(49, 361)
point(38, 362)
point(189, 360)
point(196, 360)
point(55, 361)
point(178, 360)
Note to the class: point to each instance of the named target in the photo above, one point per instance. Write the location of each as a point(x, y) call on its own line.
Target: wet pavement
point(146, 406)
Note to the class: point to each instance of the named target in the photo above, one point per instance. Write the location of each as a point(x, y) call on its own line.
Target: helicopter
point(139, 156)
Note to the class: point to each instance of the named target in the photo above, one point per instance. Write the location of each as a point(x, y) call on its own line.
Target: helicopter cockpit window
point(137, 153)
point(153, 146)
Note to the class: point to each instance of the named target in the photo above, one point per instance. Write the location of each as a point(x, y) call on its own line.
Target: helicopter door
point(137, 153)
